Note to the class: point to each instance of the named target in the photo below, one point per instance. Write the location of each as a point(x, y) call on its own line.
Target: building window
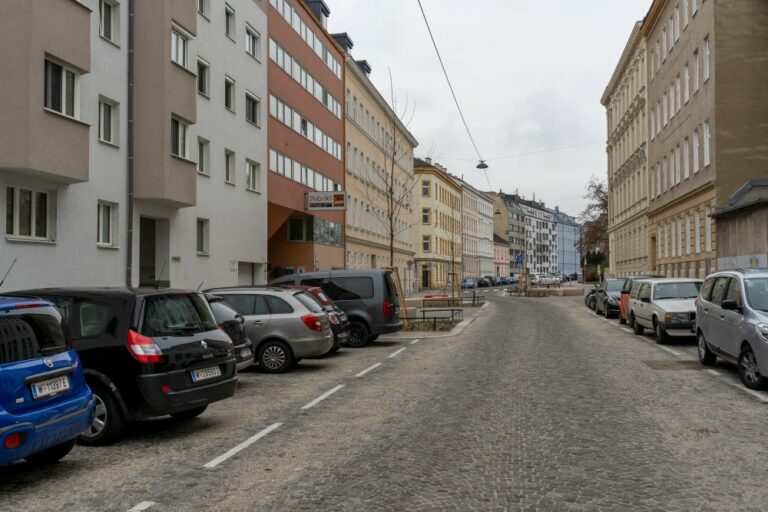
point(179, 48)
point(109, 19)
point(178, 138)
point(252, 42)
point(686, 159)
point(678, 94)
point(203, 77)
point(695, 70)
point(707, 56)
point(696, 151)
point(229, 21)
point(203, 156)
point(229, 166)
point(707, 144)
point(685, 13)
point(204, 7)
point(106, 224)
point(426, 242)
point(229, 94)
point(108, 119)
point(28, 213)
point(694, 7)
point(253, 179)
point(707, 230)
point(425, 216)
point(677, 22)
point(252, 108)
point(425, 189)
point(687, 83)
point(60, 88)
point(697, 231)
point(202, 236)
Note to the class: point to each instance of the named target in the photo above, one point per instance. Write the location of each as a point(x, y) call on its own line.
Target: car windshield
point(757, 293)
point(688, 290)
point(177, 315)
point(614, 285)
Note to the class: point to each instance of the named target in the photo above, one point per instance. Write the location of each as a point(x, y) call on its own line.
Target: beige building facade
point(439, 255)
point(379, 154)
point(625, 101)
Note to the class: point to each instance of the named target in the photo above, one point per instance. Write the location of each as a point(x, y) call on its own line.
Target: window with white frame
point(685, 13)
point(203, 156)
point(179, 47)
point(664, 44)
point(106, 234)
point(677, 164)
point(229, 93)
point(203, 77)
point(677, 22)
point(707, 230)
point(694, 7)
point(109, 20)
point(252, 109)
point(61, 88)
point(252, 42)
point(686, 83)
point(253, 176)
point(425, 216)
point(697, 231)
point(204, 7)
point(707, 56)
point(229, 166)
point(707, 135)
point(108, 121)
point(686, 158)
point(671, 33)
point(426, 243)
point(695, 70)
point(687, 234)
point(29, 213)
point(229, 21)
point(671, 100)
point(178, 137)
point(696, 151)
point(202, 237)
point(678, 94)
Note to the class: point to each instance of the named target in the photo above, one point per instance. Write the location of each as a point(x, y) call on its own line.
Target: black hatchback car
point(145, 353)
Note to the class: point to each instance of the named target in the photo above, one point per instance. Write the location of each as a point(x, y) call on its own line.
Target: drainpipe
point(129, 215)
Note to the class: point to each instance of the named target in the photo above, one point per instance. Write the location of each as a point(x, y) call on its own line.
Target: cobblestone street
point(537, 405)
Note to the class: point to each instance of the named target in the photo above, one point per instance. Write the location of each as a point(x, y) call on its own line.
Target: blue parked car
point(468, 283)
point(44, 401)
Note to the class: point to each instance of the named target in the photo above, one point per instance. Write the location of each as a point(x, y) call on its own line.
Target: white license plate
point(245, 353)
point(50, 387)
point(206, 373)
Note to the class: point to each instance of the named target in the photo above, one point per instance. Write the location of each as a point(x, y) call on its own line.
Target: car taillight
point(144, 348)
point(387, 308)
point(333, 318)
point(312, 322)
point(13, 441)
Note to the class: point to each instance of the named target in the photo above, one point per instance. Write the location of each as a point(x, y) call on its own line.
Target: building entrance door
point(425, 278)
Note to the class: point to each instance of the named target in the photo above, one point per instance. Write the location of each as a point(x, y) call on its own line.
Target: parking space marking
point(144, 505)
point(414, 342)
point(393, 354)
point(373, 367)
point(714, 372)
point(625, 329)
point(240, 447)
point(752, 392)
point(673, 352)
point(322, 397)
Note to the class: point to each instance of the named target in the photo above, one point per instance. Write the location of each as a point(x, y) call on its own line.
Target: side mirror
point(647, 300)
point(730, 305)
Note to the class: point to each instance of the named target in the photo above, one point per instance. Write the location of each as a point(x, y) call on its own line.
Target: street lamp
point(482, 165)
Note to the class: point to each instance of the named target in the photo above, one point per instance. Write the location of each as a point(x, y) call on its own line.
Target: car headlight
point(762, 331)
point(676, 318)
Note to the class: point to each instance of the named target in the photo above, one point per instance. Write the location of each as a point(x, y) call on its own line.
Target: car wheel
point(274, 357)
point(51, 455)
point(636, 327)
point(359, 336)
point(706, 356)
point(108, 421)
point(189, 413)
point(749, 371)
point(659, 334)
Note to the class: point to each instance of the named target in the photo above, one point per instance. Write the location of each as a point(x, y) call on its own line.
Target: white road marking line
point(144, 505)
point(414, 342)
point(714, 372)
point(673, 352)
point(240, 447)
point(630, 331)
point(322, 397)
point(393, 354)
point(368, 369)
point(755, 394)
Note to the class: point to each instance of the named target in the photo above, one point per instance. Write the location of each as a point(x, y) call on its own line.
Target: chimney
point(428, 160)
point(364, 66)
point(320, 10)
point(344, 41)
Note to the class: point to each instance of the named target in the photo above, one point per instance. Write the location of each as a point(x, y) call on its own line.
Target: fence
point(455, 302)
point(435, 315)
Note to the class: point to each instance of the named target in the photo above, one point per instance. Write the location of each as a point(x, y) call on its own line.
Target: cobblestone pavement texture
point(537, 405)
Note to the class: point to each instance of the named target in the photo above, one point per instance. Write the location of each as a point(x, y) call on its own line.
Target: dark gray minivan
point(369, 297)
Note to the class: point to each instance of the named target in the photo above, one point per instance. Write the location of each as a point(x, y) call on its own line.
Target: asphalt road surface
point(537, 405)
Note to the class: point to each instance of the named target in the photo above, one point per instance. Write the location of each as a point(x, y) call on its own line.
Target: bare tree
point(594, 217)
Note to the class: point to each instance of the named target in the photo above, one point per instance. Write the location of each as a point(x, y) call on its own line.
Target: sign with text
point(327, 201)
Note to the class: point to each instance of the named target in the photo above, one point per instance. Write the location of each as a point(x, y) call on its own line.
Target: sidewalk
point(469, 316)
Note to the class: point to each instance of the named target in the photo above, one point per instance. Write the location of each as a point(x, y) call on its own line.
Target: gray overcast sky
point(529, 75)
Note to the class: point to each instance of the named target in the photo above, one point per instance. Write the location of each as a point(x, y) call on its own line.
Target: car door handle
point(257, 322)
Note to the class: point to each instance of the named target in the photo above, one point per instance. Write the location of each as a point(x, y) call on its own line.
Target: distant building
point(541, 252)
point(500, 257)
point(477, 232)
point(568, 237)
point(509, 225)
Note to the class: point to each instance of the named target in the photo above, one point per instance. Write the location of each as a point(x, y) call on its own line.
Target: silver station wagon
point(665, 305)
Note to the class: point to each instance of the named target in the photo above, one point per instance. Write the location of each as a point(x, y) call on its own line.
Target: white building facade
point(568, 237)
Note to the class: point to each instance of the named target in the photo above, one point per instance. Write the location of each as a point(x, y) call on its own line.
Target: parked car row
point(727, 313)
point(488, 281)
point(80, 363)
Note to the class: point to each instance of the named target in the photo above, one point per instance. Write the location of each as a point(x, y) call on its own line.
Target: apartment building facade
point(439, 256)
point(625, 102)
point(509, 225)
point(306, 134)
point(379, 154)
point(707, 124)
point(83, 206)
point(477, 232)
point(500, 257)
point(568, 238)
point(541, 252)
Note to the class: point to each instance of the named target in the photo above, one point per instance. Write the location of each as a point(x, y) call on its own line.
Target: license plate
point(50, 387)
point(245, 353)
point(206, 373)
